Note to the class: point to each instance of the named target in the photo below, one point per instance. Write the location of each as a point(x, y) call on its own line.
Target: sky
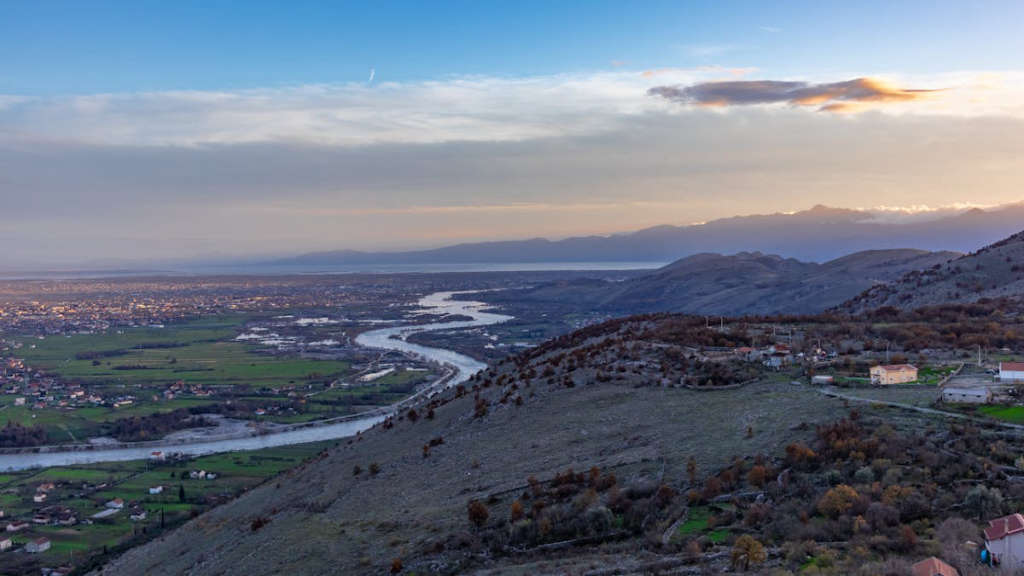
point(157, 130)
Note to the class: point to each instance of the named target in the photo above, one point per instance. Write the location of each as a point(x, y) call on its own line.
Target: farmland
point(84, 490)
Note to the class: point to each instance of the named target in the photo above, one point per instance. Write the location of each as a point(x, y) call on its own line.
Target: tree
point(478, 513)
point(747, 551)
point(837, 501)
point(181, 492)
point(691, 470)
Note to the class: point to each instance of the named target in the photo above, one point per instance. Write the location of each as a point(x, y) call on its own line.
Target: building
point(966, 395)
point(5, 544)
point(156, 489)
point(822, 379)
point(1011, 371)
point(893, 374)
point(933, 567)
point(38, 545)
point(16, 526)
point(115, 504)
point(1004, 540)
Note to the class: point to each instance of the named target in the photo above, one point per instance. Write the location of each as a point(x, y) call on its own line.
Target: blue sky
point(90, 47)
point(184, 129)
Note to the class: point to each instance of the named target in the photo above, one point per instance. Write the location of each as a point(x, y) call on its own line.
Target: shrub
point(478, 513)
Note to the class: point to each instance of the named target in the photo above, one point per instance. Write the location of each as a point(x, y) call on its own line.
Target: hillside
point(619, 450)
point(744, 283)
point(995, 271)
point(819, 234)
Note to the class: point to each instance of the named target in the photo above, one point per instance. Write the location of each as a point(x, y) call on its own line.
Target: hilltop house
point(115, 504)
point(933, 567)
point(1011, 371)
point(893, 374)
point(38, 545)
point(1004, 540)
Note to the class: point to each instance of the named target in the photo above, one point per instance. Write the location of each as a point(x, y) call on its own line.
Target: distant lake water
point(300, 269)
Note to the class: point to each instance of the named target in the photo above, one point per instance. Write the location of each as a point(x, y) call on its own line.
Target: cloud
point(830, 97)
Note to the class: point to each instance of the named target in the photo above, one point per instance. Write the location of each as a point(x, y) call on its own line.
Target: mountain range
point(819, 234)
point(737, 284)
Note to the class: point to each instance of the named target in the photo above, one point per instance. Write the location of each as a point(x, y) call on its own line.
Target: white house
point(966, 395)
point(38, 545)
point(115, 504)
point(6, 543)
point(1004, 540)
point(156, 489)
point(1011, 371)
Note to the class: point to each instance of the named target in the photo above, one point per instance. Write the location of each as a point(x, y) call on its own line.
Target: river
point(392, 338)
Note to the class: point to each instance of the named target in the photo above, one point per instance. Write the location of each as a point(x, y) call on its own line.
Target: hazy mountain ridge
point(738, 284)
point(995, 271)
point(819, 234)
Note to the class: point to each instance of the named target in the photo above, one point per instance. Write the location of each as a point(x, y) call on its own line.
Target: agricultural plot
point(86, 489)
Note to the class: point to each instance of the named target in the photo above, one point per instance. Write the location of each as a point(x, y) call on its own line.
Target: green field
point(78, 488)
point(144, 361)
point(1014, 414)
point(198, 352)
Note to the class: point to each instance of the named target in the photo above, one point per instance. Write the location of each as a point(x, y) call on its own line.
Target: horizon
point(205, 131)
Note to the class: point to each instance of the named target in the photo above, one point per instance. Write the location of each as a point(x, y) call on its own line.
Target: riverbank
point(459, 369)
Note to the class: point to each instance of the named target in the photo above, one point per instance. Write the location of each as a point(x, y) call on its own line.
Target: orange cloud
point(847, 96)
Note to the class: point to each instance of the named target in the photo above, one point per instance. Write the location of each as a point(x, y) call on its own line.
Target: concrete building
point(893, 374)
point(966, 395)
point(38, 545)
point(1011, 371)
point(1004, 540)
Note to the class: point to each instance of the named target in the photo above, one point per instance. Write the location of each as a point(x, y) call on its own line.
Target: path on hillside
point(832, 393)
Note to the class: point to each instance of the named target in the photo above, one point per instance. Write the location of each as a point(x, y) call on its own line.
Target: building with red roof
point(1004, 540)
point(933, 567)
point(1011, 371)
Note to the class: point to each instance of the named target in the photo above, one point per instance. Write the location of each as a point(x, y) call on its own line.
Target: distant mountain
point(995, 271)
point(744, 283)
point(816, 235)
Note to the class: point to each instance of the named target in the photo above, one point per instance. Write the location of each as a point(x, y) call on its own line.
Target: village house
point(1004, 540)
point(1011, 371)
point(887, 374)
point(822, 379)
point(39, 497)
point(156, 489)
point(933, 567)
point(115, 504)
point(105, 514)
point(38, 545)
point(16, 526)
point(6, 544)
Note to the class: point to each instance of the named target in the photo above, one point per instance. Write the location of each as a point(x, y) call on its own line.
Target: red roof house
point(933, 567)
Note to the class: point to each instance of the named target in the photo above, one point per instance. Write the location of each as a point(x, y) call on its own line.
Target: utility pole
point(979, 355)
point(886, 351)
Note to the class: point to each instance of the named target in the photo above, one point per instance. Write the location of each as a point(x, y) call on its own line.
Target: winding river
point(460, 368)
